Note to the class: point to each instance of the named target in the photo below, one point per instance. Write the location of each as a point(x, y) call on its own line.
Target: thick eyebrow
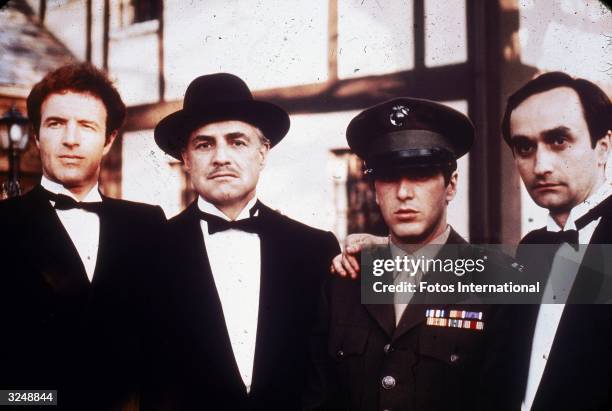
point(90, 123)
point(52, 118)
point(201, 137)
point(547, 135)
point(556, 132)
point(519, 138)
point(230, 136)
point(63, 120)
point(236, 134)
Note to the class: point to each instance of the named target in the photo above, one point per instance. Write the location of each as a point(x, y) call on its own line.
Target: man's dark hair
point(595, 103)
point(448, 171)
point(79, 78)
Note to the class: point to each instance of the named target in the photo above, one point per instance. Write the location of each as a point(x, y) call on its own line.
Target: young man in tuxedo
point(559, 130)
point(245, 279)
point(74, 258)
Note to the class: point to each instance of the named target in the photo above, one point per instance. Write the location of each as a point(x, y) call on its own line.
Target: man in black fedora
point(242, 280)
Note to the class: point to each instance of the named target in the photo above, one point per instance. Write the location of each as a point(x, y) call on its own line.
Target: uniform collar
point(209, 208)
point(441, 239)
point(581, 209)
point(93, 196)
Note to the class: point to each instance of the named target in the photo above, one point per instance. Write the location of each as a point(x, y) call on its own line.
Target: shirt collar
point(93, 196)
point(441, 239)
point(581, 209)
point(209, 208)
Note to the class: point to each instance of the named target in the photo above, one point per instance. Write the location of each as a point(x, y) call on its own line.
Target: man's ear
point(264, 149)
point(602, 147)
point(451, 188)
point(186, 160)
point(109, 142)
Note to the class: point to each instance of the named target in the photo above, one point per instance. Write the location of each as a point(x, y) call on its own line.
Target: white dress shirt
point(235, 262)
point(402, 299)
point(549, 315)
point(83, 227)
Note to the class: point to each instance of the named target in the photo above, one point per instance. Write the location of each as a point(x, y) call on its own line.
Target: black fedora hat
point(219, 97)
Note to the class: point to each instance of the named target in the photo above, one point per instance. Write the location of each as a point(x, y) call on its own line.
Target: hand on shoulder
point(346, 264)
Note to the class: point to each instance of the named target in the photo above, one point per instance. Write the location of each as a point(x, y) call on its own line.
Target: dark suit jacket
point(578, 373)
point(356, 345)
point(61, 331)
point(200, 367)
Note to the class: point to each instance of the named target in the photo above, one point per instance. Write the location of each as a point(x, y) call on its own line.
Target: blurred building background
point(323, 61)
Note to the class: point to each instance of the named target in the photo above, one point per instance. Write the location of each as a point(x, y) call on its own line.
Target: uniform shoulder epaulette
point(499, 259)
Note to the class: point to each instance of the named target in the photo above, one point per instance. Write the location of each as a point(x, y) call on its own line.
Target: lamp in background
point(13, 140)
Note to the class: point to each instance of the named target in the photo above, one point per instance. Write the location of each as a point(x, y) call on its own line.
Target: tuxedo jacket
point(358, 349)
point(578, 373)
point(196, 367)
point(61, 330)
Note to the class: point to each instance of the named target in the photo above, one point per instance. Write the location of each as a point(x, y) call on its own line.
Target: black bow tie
point(64, 202)
point(571, 236)
point(217, 224)
point(560, 237)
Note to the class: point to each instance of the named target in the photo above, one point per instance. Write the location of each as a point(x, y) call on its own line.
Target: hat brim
point(395, 163)
point(172, 131)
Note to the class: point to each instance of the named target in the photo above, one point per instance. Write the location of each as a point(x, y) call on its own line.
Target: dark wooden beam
point(496, 70)
point(513, 74)
point(161, 77)
point(483, 110)
point(88, 28)
point(105, 35)
point(445, 83)
point(419, 33)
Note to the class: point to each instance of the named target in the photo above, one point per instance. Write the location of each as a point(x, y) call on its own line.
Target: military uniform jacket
point(61, 331)
point(200, 371)
point(362, 361)
point(578, 373)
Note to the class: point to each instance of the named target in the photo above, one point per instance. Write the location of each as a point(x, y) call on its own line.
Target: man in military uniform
point(396, 356)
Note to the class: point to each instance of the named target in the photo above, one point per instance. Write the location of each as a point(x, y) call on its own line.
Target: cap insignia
point(398, 115)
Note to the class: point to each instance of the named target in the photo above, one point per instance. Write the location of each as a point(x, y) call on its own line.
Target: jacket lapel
point(204, 297)
point(383, 314)
point(571, 319)
point(275, 261)
point(202, 348)
point(55, 254)
point(413, 315)
point(603, 232)
point(110, 229)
